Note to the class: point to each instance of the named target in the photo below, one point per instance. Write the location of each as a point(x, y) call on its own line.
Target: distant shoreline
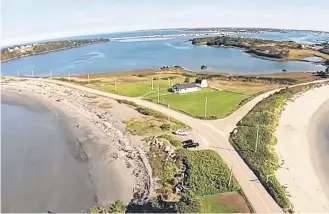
point(45, 52)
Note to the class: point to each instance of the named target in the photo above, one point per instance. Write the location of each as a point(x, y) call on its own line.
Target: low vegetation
point(152, 123)
point(263, 160)
point(116, 207)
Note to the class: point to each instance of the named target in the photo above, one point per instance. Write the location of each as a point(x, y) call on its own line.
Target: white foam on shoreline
point(294, 151)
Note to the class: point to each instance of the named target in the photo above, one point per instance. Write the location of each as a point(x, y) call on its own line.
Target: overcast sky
point(31, 20)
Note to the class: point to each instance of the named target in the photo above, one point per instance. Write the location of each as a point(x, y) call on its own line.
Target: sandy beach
point(302, 134)
point(117, 163)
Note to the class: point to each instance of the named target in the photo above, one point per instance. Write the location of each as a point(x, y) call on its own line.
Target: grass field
point(138, 88)
point(231, 202)
point(220, 103)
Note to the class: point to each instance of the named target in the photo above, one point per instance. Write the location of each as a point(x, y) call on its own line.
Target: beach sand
point(118, 165)
point(299, 140)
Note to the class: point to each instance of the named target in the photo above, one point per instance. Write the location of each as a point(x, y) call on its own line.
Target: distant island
point(284, 50)
point(16, 52)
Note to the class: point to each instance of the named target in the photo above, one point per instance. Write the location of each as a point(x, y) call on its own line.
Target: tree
point(187, 80)
point(203, 67)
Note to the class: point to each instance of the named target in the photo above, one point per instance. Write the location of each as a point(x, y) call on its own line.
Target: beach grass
point(264, 117)
point(220, 103)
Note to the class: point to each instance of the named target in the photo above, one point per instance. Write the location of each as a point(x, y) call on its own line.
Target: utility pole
point(152, 84)
point(168, 114)
point(205, 108)
point(158, 94)
point(115, 84)
point(88, 79)
point(231, 174)
point(267, 176)
point(257, 136)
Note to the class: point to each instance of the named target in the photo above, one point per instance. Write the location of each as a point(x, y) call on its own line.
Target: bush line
point(264, 161)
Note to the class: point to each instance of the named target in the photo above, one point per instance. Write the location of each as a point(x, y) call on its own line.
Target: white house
point(185, 88)
point(201, 83)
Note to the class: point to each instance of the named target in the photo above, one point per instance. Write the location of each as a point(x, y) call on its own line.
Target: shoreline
point(299, 170)
point(118, 166)
point(50, 51)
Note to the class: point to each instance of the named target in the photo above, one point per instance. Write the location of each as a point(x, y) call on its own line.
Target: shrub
point(116, 207)
point(127, 102)
point(189, 205)
point(209, 174)
point(165, 127)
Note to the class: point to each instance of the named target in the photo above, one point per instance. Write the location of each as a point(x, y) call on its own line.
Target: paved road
point(215, 135)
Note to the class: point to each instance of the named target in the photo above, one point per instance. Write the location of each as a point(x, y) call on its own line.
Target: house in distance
point(190, 87)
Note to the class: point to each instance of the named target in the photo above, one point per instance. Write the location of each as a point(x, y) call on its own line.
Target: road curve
point(217, 140)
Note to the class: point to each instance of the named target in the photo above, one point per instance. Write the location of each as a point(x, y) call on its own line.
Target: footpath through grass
point(264, 161)
point(220, 103)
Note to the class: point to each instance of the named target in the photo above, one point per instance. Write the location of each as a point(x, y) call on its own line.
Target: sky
point(33, 20)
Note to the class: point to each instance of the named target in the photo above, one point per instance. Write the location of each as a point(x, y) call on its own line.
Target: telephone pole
point(257, 136)
point(231, 174)
point(168, 114)
point(205, 107)
point(152, 84)
point(115, 84)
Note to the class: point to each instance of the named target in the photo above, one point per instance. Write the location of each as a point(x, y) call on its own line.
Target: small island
point(281, 50)
point(15, 52)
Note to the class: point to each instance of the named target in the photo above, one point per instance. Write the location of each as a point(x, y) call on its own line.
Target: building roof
point(185, 86)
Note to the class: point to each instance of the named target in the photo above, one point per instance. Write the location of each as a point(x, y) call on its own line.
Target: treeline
point(12, 53)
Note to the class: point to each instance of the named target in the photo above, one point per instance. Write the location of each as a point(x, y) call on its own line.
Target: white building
point(185, 88)
point(201, 83)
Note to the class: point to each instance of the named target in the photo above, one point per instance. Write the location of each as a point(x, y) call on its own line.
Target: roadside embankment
point(254, 139)
point(302, 149)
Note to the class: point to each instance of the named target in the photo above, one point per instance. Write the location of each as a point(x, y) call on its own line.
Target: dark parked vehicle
point(190, 144)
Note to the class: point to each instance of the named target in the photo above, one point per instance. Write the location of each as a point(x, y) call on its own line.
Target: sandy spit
point(118, 165)
point(298, 169)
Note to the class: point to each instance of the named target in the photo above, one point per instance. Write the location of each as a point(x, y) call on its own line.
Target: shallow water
point(124, 56)
point(41, 168)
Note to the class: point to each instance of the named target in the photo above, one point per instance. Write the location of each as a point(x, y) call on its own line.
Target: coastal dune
point(302, 134)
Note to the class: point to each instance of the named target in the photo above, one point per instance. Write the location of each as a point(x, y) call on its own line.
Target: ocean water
point(40, 167)
point(130, 55)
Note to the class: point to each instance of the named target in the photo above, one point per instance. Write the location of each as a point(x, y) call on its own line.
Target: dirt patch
point(235, 201)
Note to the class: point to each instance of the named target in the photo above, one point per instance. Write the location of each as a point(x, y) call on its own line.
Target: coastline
point(297, 150)
point(118, 166)
point(45, 52)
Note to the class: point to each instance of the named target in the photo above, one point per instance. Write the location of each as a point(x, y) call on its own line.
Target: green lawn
point(139, 89)
point(220, 103)
point(231, 202)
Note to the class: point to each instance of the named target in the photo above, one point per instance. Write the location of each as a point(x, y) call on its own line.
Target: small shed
point(185, 88)
point(202, 83)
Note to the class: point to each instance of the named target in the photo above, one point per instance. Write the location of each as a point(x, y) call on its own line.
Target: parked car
point(181, 132)
point(190, 144)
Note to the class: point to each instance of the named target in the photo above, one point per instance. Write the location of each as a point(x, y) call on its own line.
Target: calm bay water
point(124, 56)
point(39, 170)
